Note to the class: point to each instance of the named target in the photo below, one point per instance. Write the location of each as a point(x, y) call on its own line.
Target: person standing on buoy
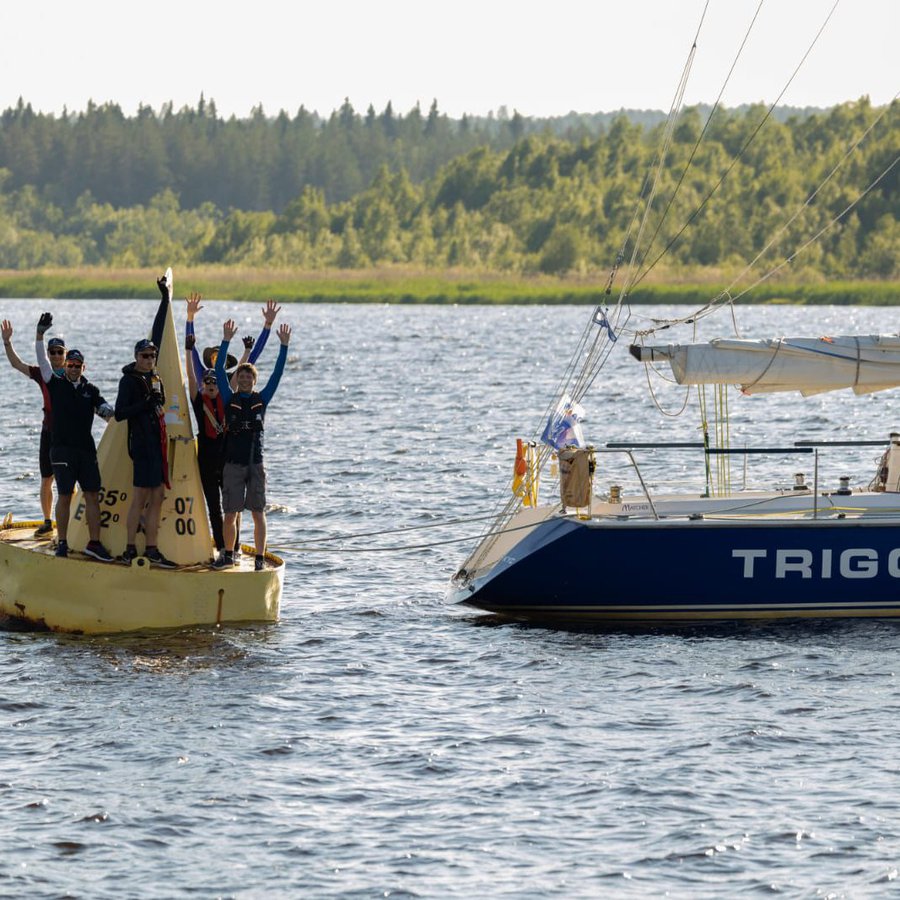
point(56, 351)
point(209, 411)
point(244, 474)
point(73, 403)
point(140, 402)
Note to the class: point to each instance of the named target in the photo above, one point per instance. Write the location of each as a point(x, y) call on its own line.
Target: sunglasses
point(211, 381)
point(56, 351)
point(147, 355)
point(74, 365)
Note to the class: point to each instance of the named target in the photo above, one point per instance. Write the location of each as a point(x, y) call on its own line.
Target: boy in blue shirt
point(244, 474)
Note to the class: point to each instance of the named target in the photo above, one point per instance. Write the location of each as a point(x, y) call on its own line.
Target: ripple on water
point(379, 742)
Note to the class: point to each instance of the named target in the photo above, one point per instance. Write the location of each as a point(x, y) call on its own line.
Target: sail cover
point(865, 363)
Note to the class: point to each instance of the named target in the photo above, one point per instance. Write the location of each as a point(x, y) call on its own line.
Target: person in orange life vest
point(209, 410)
point(244, 475)
point(56, 350)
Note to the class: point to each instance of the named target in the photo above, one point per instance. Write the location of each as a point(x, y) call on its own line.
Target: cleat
point(157, 559)
point(259, 564)
point(62, 549)
point(96, 550)
point(44, 530)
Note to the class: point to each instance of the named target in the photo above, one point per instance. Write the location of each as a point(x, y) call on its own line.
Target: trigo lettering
point(855, 562)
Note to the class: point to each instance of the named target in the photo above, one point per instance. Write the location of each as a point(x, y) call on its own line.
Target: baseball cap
point(144, 344)
point(56, 342)
point(76, 355)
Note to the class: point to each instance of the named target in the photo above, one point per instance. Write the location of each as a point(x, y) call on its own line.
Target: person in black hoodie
point(73, 403)
point(141, 401)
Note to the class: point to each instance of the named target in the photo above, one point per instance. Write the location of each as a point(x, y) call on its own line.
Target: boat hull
point(648, 571)
point(83, 596)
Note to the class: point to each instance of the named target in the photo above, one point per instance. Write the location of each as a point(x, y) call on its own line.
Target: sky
point(472, 56)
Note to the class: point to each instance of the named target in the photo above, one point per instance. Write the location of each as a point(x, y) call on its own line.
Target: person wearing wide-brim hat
point(210, 354)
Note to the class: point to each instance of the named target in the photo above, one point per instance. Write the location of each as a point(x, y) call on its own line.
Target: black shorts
point(71, 465)
point(148, 470)
point(44, 455)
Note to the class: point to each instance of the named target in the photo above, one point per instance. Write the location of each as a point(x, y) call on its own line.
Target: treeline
point(499, 195)
point(259, 163)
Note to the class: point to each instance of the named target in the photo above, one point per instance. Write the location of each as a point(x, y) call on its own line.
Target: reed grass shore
point(397, 285)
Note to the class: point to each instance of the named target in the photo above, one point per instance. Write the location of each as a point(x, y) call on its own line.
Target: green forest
point(503, 195)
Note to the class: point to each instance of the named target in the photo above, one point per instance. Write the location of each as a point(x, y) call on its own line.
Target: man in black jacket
point(73, 453)
point(141, 401)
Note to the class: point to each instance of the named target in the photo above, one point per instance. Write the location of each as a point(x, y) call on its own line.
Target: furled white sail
point(865, 363)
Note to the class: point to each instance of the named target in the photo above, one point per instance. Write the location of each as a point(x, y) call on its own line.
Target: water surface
point(378, 742)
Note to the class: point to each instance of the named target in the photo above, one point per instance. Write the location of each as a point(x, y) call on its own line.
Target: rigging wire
point(740, 152)
point(303, 548)
point(400, 530)
point(731, 299)
point(668, 134)
point(788, 260)
point(706, 125)
point(592, 358)
point(812, 196)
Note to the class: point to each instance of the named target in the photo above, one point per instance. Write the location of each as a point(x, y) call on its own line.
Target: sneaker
point(128, 554)
point(223, 561)
point(259, 563)
point(62, 549)
point(157, 559)
point(96, 550)
point(237, 556)
point(44, 530)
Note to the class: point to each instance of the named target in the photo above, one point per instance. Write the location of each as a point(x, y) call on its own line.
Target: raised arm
point(284, 335)
point(159, 322)
point(270, 312)
point(245, 357)
point(43, 326)
point(193, 307)
point(229, 330)
point(6, 330)
point(189, 351)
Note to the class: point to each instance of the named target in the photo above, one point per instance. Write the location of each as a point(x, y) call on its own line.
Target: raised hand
point(163, 286)
point(6, 330)
point(284, 333)
point(193, 305)
point(249, 341)
point(43, 325)
point(189, 341)
point(270, 312)
point(229, 329)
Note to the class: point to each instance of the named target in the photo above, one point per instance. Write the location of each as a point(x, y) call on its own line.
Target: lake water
point(379, 742)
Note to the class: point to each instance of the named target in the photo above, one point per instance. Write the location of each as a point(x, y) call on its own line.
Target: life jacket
point(213, 416)
point(149, 421)
point(244, 419)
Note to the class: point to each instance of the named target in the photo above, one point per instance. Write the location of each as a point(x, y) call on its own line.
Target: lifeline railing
point(616, 448)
